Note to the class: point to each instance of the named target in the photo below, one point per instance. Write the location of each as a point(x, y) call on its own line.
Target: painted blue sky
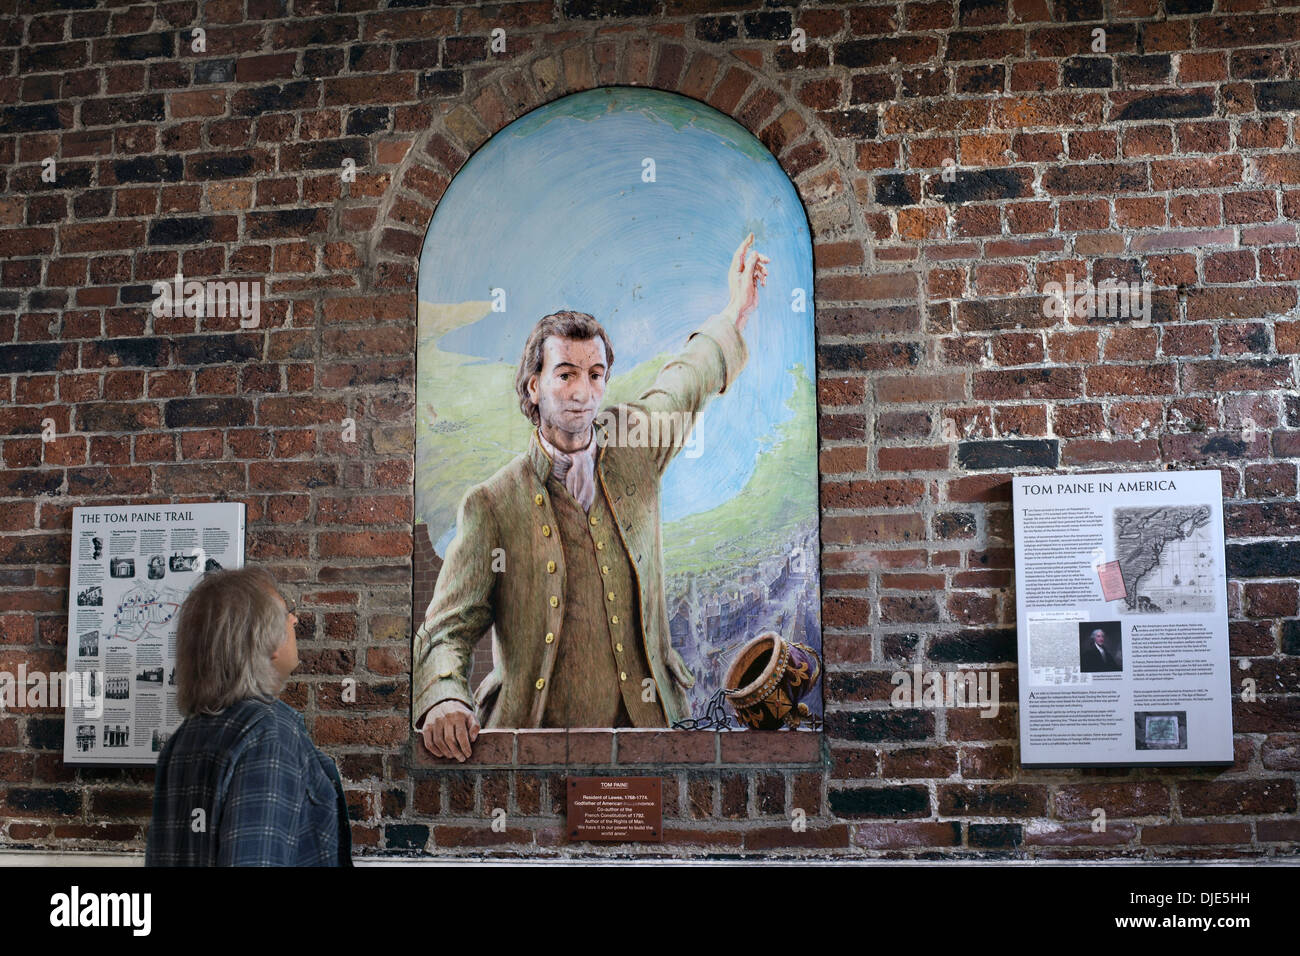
point(554, 211)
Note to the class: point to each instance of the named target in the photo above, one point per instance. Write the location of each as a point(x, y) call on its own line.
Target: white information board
point(1122, 620)
point(132, 567)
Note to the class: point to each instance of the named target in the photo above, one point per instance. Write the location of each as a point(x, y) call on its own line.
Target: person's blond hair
point(229, 626)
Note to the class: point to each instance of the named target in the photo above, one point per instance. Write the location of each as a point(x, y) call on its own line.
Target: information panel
point(1122, 620)
point(132, 567)
point(616, 809)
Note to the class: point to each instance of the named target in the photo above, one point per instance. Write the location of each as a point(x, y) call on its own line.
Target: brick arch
point(791, 132)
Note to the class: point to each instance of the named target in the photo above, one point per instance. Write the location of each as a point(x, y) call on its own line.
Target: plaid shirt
point(268, 796)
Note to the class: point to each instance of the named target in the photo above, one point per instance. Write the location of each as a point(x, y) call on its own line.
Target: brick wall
point(1171, 157)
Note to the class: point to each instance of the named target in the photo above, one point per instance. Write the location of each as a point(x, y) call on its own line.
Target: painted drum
point(770, 677)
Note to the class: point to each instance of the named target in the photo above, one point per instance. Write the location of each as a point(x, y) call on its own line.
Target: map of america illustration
point(1165, 558)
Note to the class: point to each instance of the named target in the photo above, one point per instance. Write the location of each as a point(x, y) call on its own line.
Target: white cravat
point(580, 480)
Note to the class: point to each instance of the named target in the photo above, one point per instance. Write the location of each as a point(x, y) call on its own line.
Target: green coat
point(511, 511)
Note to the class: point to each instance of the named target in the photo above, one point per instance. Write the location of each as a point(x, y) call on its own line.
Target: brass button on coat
point(555, 602)
point(546, 531)
point(619, 648)
point(550, 567)
point(541, 682)
point(537, 500)
point(600, 545)
point(610, 595)
point(604, 569)
point(614, 619)
point(550, 637)
point(622, 675)
point(594, 519)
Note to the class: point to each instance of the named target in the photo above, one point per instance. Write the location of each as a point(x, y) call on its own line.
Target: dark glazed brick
point(372, 119)
point(986, 78)
point(1149, 68)
point(176, 232)
point(34, 800)
point(441, 83)
point(893, 189)
point(29, 484)
point(1291, 637)
point(211, 412)
point(892, 725)
point(1168, 106)
point(995, 800)
point(45, 733)
point(125, 109)
point(973, 647)
point(284, 222)
point(270, 99)
point(768, 25)
point(981, 12)
point(1088, 72)
point(1091, 178)
point(217, 349)
point(331, 153)
point(1264, 559)
point(600, 9)
point(68, 176)
point(146, 46)
point(229, 166)
point(34, 357)
point(322, 62)
point(117, 417)
point(1011, 453)
point(1073, 10)
point(890, 802)
point(856, 123)
point(716, 29)
point(29, 119)
point(1278, 97)
point(149, 169)
point(119, 353)
point(984, 184)
point(954, 524)
point(406, 836)
point(214, 71)
point(995, 836)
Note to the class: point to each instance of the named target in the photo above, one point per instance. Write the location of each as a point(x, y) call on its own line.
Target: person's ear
point(532, 388)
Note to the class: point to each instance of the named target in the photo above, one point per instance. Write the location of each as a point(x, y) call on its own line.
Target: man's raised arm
point(713, 357)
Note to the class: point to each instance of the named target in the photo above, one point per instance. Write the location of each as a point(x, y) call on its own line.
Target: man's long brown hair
point(566, 325)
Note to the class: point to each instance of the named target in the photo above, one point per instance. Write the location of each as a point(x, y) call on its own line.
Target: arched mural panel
point(628, 205)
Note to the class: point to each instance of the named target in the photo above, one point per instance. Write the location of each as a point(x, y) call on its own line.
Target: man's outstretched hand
point(449, 729)
point(747, 272)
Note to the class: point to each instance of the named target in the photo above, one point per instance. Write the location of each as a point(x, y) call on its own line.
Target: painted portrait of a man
point(616, 488)
point(578, 614)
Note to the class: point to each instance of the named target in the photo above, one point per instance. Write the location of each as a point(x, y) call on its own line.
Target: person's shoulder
point(222, 735)
point(286, 721)
point(510, 476)
point(267, 722)
point(274, 731)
